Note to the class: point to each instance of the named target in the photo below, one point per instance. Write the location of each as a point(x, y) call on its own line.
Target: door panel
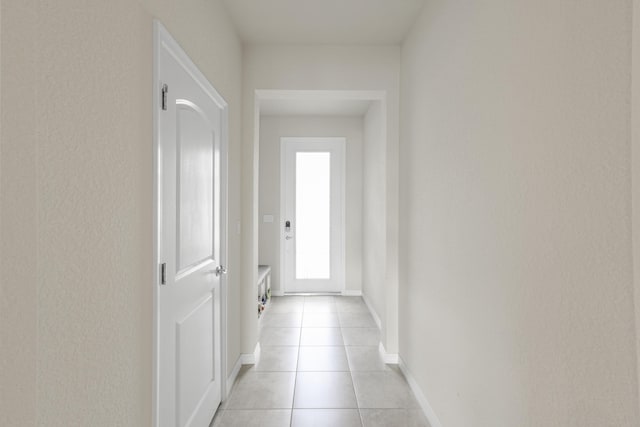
point(194, 354)
point(312, 203)
point(188, 304)
point(196, 147)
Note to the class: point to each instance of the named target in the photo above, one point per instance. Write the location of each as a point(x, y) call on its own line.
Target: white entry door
point(190, 124)
point(312, 223)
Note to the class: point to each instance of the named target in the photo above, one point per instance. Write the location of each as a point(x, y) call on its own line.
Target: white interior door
point(190, 123)
point(312, 224)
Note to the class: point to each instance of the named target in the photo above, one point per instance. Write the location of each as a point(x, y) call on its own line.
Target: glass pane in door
point(313, 215)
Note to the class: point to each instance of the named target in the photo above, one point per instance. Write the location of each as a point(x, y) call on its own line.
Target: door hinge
point(165, 90)
point(163, 273)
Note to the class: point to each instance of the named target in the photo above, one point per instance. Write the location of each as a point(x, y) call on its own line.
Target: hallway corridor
point(320, 366)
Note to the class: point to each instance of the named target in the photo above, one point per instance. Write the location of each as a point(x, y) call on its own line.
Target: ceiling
point(314, 107)
point(323, 21)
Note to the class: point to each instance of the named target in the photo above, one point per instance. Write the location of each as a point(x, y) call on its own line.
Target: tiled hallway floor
point(319, 366)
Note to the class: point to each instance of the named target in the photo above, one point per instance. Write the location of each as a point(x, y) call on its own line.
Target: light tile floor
point(319, 366)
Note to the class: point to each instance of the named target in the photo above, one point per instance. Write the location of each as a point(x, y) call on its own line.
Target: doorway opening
point(289, 118)
point(361, 117)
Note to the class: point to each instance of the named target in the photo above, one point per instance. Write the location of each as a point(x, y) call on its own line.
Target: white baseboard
point(351, 293)
point(233, 376)
point(375, 316)
point(388, 358)
point(251, 358)
point(277, 293)
point(417, 391)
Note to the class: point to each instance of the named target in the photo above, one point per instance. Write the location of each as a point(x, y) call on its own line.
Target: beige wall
point(76, 201)
point(516, 295)
point(272, 128)
point(635, 166)
point(374, 212)
point(18, 231)
point(294, 67)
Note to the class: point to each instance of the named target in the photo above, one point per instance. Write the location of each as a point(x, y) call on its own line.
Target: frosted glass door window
point(313, 215)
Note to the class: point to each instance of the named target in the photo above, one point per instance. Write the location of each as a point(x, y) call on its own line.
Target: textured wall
point(18, 213)
point(76, 200)
point(273, 128)
point(635, 166)
point(516, 295)
point(374, 212)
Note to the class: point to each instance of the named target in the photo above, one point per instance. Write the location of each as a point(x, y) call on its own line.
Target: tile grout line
point(295, 381)
point(353, 382)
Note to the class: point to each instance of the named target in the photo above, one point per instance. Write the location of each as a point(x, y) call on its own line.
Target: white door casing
point(317, 164)
point(190, 139)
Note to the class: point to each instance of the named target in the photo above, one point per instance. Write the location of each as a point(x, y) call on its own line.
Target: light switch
point(267, 218)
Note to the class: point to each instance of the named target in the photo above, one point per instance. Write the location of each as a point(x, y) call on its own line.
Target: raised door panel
point(195, 164)
point(194, 356)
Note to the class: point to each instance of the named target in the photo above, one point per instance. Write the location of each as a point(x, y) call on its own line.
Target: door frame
point(341, 268)
point(162, 39)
